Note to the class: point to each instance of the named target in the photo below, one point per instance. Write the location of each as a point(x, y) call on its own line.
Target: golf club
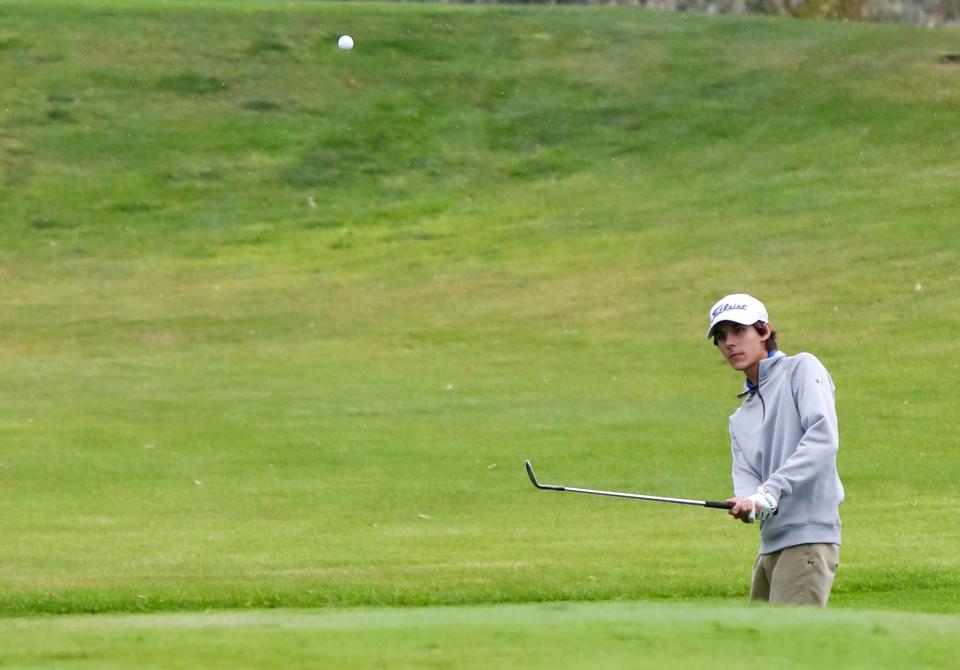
point(633, 496)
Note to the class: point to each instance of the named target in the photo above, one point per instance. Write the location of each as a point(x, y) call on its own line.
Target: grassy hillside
point(282, 322)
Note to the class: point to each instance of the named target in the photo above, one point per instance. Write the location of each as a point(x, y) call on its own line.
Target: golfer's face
point(742, 346)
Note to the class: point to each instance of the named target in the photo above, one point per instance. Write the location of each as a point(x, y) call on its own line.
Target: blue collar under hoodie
point(749, 388)
point(784, 437)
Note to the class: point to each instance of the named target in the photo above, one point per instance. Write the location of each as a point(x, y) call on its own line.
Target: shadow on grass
point(191, 83)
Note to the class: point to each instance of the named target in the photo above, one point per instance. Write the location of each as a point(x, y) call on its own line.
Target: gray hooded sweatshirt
point(784, 436)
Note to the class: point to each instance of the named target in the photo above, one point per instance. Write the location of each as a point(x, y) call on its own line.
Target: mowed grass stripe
point(564, 635)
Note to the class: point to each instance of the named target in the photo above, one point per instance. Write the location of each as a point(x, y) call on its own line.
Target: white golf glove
point(767, 503)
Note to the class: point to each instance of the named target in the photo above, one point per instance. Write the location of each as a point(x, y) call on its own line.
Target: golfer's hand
point(742, 508)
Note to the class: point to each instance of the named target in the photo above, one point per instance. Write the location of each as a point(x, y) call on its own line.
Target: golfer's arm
point(816, 452)
point(745, 478)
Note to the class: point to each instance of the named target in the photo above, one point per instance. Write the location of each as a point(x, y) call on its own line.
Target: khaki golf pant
point(800, 575)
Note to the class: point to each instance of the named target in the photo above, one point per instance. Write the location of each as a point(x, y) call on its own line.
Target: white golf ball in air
point(345, 42)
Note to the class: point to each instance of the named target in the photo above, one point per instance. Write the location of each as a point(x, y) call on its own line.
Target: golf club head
point(533, 478)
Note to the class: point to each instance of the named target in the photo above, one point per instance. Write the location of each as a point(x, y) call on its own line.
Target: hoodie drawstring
point(755, 391)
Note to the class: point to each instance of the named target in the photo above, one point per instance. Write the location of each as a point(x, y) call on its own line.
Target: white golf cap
point(739, 308)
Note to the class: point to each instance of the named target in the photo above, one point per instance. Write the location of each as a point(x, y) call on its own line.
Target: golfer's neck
point(753, 373)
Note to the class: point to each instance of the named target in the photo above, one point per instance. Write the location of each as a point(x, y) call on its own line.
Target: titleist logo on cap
point(740, 308)
point(726, 307)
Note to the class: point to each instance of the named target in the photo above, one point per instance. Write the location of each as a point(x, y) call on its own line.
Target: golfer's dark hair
point(761, 328)
point(771, 342)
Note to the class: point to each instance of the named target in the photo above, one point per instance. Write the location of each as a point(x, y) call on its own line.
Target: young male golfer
point(784, 441)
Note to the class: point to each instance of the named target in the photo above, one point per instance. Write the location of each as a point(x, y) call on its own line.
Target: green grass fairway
point(281, 323)
point(559, 635)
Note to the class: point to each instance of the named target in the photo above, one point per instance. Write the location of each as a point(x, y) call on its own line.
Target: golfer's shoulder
point(804, 360)
point(806, 366)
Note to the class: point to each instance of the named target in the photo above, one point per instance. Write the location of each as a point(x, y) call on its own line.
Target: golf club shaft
point(638, 496)
point(632, 496)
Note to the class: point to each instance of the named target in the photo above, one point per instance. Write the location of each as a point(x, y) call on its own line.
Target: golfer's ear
point(766, 336)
